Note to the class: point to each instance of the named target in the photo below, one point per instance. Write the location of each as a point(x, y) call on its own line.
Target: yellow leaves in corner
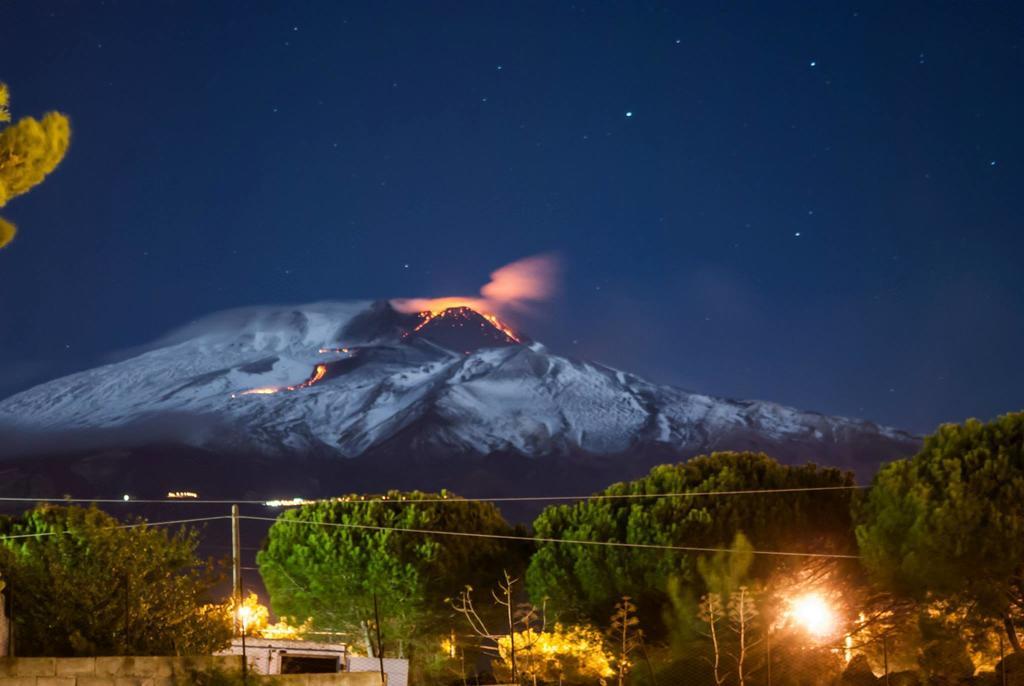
point(29, 150)
point(5, 101)
point(7, 232)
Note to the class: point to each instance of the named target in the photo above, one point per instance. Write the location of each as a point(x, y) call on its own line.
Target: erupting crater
point(463, 328)
point(457, 329)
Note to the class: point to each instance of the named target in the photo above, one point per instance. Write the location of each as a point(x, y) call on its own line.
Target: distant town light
point(293, 502)
point(179, 495)
point(126, 497)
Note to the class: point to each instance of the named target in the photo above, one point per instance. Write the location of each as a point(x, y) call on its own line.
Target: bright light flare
point(814, 614)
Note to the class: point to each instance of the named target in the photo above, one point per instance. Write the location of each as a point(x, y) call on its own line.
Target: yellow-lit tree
point(527, 650)
point(561, 654)
point(254, 617)
point(29, 150)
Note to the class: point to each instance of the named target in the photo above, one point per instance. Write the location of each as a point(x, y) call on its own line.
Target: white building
point(282, 656)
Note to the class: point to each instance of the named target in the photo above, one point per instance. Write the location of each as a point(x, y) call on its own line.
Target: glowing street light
point(813, 613)
point(244, 615)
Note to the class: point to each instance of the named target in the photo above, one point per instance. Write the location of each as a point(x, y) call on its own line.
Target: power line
point(132, 501)
point(540, 539)
point(297, 502)
point(136, 525)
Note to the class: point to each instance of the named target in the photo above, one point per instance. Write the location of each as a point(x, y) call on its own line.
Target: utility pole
point(236, 558)
point(380, 647)
point(236, 582)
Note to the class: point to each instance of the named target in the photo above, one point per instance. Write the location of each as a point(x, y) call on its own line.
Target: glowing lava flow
point(318, 374)
point(428, 316)
point(501, 326)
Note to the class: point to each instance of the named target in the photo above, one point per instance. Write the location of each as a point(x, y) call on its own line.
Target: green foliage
point(589, 579)
point(331, 573)
point(687, 619)
point(81, 587)
point(943, 657)
point(725, 571)
point(29, 150)
point(948, 524)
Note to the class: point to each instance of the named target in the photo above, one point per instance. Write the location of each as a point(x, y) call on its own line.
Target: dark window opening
point(309, 664)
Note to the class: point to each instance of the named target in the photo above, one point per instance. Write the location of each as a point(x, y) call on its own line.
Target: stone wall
point(149, 671)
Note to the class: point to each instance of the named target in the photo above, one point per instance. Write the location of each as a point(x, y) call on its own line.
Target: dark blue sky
point(813, 203)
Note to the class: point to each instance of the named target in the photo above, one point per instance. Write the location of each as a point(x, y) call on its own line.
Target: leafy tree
point(331, 570)
point(29, 150)
point(947, 525)
point(589, 579)
point(82, 586)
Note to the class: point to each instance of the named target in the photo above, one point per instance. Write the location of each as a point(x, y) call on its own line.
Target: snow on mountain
point(349, 379)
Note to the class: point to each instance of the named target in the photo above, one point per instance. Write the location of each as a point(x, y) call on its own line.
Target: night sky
point(814, 203)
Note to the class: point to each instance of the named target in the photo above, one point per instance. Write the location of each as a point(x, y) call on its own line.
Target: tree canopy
point(29, 150)
point(81, 586)
point(590, 579)
point(327, 560)
point(948, 524)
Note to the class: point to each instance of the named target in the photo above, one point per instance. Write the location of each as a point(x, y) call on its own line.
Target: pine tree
point(29, 150)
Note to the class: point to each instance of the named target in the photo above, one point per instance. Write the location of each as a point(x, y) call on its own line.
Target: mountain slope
point(354, 382)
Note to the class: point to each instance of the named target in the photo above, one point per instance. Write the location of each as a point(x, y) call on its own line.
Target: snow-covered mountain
point(364, 385)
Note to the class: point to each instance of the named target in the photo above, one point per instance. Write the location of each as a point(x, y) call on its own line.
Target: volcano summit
point(331, 397)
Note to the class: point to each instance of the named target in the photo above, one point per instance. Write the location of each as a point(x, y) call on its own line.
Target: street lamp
point(814, 614)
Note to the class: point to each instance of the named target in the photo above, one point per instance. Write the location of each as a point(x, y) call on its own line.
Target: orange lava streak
point(318, 374)
point(502, 327)
point(427, 316)
point(261, 391)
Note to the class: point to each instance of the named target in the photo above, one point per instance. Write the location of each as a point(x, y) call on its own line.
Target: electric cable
point(541, 539)
point(298, 502)
point(136, 525)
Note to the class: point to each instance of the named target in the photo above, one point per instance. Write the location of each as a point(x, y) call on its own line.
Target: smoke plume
point(514, 287)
